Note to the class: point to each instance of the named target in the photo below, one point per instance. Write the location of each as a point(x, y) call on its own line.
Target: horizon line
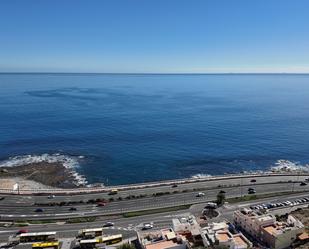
point(158, 73)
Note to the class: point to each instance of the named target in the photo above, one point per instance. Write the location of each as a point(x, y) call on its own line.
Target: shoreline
point(40, 174)
point(57, 172)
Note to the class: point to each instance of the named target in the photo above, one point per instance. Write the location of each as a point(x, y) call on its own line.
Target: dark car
point(1, 198)
point(101, 204)
point(21, 231)
point(303, 184)
point(222, 192)
point(72, 209)
point(253, 180)
point(108, 224)
point(39, 210)
point(251, 191)
point(174, 186)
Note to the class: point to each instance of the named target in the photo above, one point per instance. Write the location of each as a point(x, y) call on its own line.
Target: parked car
point(72, 209)
point(39, 210)
point(303, 184)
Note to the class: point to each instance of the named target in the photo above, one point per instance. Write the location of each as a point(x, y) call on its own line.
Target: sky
point(154, 36)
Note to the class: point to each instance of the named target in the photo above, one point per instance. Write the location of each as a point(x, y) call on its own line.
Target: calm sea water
point(136, 128)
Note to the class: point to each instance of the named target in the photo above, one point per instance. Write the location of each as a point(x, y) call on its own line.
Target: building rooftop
point(165, 244)
point(223, 236)
point(240, 241)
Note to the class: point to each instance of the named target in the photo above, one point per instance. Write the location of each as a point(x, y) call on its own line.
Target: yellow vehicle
point(113, 191)
point(88, 243)
point(46, 245)
point(106, 240)
point(37, 237)
point(90, 233)
point(112, 239)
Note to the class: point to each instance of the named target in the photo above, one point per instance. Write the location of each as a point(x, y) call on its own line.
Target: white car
point(51, 196)
point(200, 194)
point(147, 226)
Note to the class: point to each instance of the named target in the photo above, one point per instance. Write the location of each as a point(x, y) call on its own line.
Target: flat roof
point(239, 240)
point(303, 236)
point(271, 229)
point(223, 236)
point(162, 245)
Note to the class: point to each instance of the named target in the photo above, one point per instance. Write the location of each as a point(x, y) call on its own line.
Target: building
point(162, 239)
point(188, 227)
point(282, 234)
point(267, 230)
point(251, 222)
point(217, 235)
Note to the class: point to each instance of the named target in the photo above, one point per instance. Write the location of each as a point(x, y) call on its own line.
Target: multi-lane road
point(128, 226)
point(19, 207)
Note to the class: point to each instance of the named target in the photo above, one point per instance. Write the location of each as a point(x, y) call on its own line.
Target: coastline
point(57, 172)
point(39, 174)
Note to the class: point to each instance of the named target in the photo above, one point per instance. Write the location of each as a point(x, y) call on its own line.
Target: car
point(101, 204)
point(72, 209)
point(222, 192)
point(303, 184)
point(147, 226)
point(21, 231)
point(174, 185)
point(251, 191)
point(200, 194)
point(211, 205)
point(307, 180)
point(253, 180)
point(51, 196)
point(2, 198)
point(108, 224)
point(113, 192)
point(39, 210)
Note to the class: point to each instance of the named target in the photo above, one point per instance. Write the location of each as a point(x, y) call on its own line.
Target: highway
point(22, 207)
point(128, 226)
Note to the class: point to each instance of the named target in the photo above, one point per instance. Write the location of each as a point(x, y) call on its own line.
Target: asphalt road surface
point(22, 207)
point(128, 226)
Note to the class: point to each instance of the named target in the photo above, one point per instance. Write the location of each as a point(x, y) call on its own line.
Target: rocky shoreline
point(53, 174)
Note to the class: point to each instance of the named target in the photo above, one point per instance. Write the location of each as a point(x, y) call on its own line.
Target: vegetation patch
point(81, 220)
point(155, 211)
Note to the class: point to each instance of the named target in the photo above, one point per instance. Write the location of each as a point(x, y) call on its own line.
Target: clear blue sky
point(154, 36)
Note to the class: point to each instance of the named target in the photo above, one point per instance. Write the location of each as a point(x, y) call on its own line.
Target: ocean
point(126, 128)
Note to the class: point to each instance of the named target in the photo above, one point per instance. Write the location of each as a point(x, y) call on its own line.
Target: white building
point(163, 239)
point(189, 227)
point(217, 235)
point(265, 228)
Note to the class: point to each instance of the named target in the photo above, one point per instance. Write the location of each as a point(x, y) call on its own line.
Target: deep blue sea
point(138, 128)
